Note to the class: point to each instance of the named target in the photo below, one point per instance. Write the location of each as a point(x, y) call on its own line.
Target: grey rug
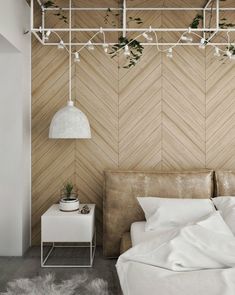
point(46, 285)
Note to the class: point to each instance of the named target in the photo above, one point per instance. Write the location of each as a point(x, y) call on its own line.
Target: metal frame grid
point(41, 31)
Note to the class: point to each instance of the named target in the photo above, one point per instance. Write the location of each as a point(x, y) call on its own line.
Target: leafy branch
point(135, 48)
point(196, 21)
point(59, 13)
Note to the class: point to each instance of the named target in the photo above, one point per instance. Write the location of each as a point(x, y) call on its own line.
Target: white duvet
point(197, 259)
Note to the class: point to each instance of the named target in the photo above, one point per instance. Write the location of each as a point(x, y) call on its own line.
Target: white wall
point(15, 141)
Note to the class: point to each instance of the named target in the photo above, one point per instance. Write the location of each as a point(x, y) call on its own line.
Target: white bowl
point(69, 205)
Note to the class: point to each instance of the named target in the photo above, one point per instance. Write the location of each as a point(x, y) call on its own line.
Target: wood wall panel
point(97, 96)
point(183, 101)
point(140, 107)
point(220, 113)
point(162, 114)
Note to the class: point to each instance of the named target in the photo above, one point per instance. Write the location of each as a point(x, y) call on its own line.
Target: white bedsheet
point(138, 233)
point(197, 259)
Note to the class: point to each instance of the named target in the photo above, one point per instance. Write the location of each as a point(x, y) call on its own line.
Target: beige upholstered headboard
point(225, 183)
point(121, 188)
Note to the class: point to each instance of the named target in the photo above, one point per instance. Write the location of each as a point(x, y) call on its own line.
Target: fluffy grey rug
point(77, 285)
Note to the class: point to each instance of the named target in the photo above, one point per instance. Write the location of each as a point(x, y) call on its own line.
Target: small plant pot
point(69, 205)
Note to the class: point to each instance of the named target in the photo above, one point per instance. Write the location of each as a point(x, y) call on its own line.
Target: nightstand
point(68, 227)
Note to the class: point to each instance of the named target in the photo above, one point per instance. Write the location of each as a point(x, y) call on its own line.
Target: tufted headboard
point(121, 209)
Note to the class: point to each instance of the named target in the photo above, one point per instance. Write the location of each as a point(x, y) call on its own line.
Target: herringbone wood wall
point(162, 114)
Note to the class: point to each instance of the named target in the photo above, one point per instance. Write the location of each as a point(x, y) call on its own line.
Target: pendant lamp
point(70, 122)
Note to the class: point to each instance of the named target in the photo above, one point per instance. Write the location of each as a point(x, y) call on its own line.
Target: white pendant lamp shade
point(70, 122)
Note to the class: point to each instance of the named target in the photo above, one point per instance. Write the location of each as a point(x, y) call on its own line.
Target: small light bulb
point(76, 57)
point(48, 33)
point(106, 47)
point(202, 43)
point(61, 44)
point(186, 39)
point(90, 46)
point(217, 53)
point(229, 54)
point(127, 51)
point(147, 37)
point(170, 53)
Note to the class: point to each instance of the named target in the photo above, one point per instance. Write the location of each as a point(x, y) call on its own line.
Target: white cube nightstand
point(68, 227)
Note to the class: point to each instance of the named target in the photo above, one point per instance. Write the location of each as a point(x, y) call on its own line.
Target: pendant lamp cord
point(70, 50)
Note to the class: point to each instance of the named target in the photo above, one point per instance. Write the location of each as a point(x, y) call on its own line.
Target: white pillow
point(170, 212)
point(226, 206)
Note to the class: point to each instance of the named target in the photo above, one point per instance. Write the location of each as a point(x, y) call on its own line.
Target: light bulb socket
point(47, 35)
point(127, 51)
point(90, 45)
point(229, 53)
point(147, 37)
point(170, 53)
point(217, 52)
point(105, 47)
point(202, 43)
point(76, 57)
point(186, 38)
point(70, 103)
point(61, 44)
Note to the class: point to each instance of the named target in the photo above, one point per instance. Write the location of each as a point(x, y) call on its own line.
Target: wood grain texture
point(164, 113)
point(183, 99)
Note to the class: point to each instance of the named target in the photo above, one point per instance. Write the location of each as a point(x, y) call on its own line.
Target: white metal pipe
point(141, 8)
point(207, 4)
point(43, 24)
point(70, 51)
point(39, 39)
point(217, 14)
point(31, 14)
point(40, 3)
point(144, 44)
point(211, 36)
point(134, 30)
point(124, 19)
point(204, 21)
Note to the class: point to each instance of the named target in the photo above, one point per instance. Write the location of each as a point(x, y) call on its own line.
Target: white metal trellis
point(40, 31)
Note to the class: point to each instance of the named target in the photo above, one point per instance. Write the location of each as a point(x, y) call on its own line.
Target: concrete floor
point(29, 266)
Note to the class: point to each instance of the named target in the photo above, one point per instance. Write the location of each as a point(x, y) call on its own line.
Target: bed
point(141, 269)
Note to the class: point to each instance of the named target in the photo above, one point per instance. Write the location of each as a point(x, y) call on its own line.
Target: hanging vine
point(135, 48)
point(59, 13)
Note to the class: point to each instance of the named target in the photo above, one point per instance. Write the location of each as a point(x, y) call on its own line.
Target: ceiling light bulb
point(48, 33)
point(90, 46)
point(61, 44)
point(169, 53)
point(217, 53)
point(76, 57)
point(186, 39)
point(106, 47)
point(147, 37)
point(202, 43)
point(127, 51)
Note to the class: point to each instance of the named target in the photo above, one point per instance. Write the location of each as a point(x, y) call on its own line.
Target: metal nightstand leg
point(92, 249)
point(43, 261)
point(92, 246)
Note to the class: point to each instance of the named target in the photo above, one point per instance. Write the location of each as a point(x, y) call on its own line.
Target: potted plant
point(69, 201)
